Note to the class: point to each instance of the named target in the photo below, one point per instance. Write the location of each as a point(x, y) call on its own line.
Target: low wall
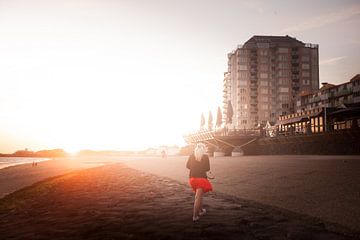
point(334, 143)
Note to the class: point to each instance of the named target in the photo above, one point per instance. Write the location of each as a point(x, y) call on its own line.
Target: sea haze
point(11, 161)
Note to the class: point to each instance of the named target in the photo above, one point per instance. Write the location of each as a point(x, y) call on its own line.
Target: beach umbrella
point(202, 123)
point(219, 118)
point(229, 113)
point(210, 121)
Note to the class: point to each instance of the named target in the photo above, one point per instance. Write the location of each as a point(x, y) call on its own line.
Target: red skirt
point(203, 183)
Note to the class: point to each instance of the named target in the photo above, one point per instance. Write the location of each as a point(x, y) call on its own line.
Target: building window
point(283, 73)
point(284, 98)
point(305, 74)
point(306, 82)
point(283, 58)
point(284, 90)
point(264, 67)
point(263, 60)
point(264, 91)
point(264, 83)
point(305, 66)
point(284, 81)
point(321, 127)
point(244, 74)
point(264, 75)
point(283, 66)
point(243, 59)
point(283, 50)
point(243, 67)
point(242, 83)
point(242, 52)
point(312, 125)
point(305, 58)
point(263, 52)
point(285, 105)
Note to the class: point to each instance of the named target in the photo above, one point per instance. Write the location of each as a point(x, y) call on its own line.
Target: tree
point(229, 113)
point(210, 121)
point(202, 123)
point(218, 118)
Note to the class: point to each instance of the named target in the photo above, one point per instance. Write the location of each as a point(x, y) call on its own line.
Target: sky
point(133, 74)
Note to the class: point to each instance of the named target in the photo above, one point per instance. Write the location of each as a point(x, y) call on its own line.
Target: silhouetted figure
point(163, 154)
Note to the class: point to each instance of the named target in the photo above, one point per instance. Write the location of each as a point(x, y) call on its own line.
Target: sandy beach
point(118, 202)
point(15, 177)
point(325, 187)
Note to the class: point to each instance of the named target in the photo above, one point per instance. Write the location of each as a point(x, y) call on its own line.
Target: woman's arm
point(188, 163)
point(206, 163)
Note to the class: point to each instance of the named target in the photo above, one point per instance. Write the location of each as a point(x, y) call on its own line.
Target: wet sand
point(15, 177)
point(325, 187)
point(117, 202)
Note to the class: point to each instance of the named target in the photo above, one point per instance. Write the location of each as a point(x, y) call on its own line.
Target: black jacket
point(198, 169)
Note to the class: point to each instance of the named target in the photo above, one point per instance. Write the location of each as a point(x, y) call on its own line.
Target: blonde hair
point(199, 151)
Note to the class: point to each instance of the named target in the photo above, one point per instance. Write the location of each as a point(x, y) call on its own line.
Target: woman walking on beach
point(199, 164)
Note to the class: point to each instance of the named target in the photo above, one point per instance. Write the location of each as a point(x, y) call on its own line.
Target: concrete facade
point(264, 76)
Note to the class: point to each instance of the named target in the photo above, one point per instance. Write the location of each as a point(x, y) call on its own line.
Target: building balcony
point(314, 99)
point(294, 51)
point(343, 92)
point(356, 88)
point(295, 89)
point(295, 84)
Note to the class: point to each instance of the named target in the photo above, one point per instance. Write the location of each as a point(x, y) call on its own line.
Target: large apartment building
point(265, 75)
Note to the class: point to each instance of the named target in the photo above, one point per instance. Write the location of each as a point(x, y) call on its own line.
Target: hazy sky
point(105, 74)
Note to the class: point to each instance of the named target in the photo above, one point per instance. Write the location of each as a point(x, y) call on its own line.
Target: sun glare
point(69, 82)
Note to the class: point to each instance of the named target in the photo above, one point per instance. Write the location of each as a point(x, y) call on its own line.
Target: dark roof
point(327, 86)
point(347, 112)
point(273, 39)
point(356, 77)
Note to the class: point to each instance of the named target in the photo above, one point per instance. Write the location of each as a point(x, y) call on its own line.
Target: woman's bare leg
point(198, 202)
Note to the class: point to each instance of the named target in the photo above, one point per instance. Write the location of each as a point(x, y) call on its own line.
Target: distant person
point(199, 164)
point(163, 154)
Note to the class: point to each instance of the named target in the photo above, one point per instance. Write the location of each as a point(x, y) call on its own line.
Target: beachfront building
point(331, 108)
point(264, 76)
point(331, 96)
